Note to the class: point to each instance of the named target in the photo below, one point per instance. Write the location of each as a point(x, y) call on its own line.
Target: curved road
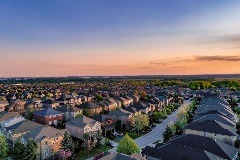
point(156, 134)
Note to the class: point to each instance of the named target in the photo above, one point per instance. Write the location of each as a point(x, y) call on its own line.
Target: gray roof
point(47, 112)
point(173, 151)
point(88, 105)
point(23, 126)
point(67, 108)
point(211, 126)
point(8, 115)
point(218, 118)
point(40, 133)
point(82, 122)
point(119, 113)
point(208, 144)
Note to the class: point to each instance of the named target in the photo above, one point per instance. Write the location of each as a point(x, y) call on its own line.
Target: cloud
point(219, 58)
point(159, 63)
point(233, 39)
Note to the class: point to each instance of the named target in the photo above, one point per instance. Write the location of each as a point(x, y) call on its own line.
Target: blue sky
point(109, 32)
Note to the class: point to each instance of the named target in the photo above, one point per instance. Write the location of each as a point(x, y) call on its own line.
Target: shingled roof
point(218, 148)
point(40, 133)
point(47, 112)
point(212, 126)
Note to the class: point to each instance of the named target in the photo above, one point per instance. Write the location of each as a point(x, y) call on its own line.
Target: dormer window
point(46, 143)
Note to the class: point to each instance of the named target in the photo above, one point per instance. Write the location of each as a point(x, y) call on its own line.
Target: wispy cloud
point(159, 63)
point(231, 39)
point(218, 58)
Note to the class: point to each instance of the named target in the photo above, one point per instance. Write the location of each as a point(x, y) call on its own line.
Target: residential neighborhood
point(86, 121)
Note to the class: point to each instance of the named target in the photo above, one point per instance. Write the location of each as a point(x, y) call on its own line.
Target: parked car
point(120, 134)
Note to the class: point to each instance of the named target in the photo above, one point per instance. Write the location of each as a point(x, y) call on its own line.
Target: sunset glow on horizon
point(113, 38)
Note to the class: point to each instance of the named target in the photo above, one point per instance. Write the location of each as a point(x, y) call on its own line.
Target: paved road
point(156, 134)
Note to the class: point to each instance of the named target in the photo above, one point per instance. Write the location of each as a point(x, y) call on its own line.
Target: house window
point(55, 122)
point(50, 122)
point(45, 152)
point(56, 139)
point(46, 143)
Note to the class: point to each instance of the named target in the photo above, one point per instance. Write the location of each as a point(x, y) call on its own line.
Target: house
point(16, 105)
point(213, 129)
point(48, 140)
point(3, 104)
point(139, 107)
point(106, 122)
point(69, 112)
point(48, 116)
point(50, 104)
point(109, 104)
point(83, 125)
point(16, 131)
point(10, 122)
point(217, 117)
point(123, 115)
point(8, 115)
point(210, 145)
point(171, 151)
point(34, 103)
point(93, 108)
point(135, 98)
point(124, 101)
point(190, 147)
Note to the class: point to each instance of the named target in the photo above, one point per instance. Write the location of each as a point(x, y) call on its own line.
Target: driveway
point(156, 134)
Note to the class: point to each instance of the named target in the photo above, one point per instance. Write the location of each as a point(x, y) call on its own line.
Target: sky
point(119, 37)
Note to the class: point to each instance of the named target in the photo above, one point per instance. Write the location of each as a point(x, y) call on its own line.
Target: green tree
point(99, 97)
point(167, 134)
point(127, 146)
point(4, 147)
point(140, 121)
point(172, 127)
point(180, 127)
point(17, 151)
point(30, 114)
point(30, 151)
point(67, 142)
point(87, 112)
point(143, 95)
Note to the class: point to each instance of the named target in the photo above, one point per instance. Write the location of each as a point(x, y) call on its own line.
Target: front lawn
point(82, 155)
point(133, 135)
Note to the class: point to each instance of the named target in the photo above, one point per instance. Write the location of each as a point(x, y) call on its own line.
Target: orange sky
point(85, 39)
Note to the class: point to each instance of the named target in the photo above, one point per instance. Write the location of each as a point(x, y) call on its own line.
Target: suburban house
point(123, 101)
point(48, 140)
point(8, 115)
point(82, 125)
point(213, 129)
point(3, 104)
point(106, 122)
point(48, 116)
point(189, 147)
point(33, 103)
point(69, 112)
point(91, 107)
point(16, 131)
point(10, 122)
point(16, 105)
point(123, 115)
point(139, 107)
point(50, 104)
point(109, 104)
